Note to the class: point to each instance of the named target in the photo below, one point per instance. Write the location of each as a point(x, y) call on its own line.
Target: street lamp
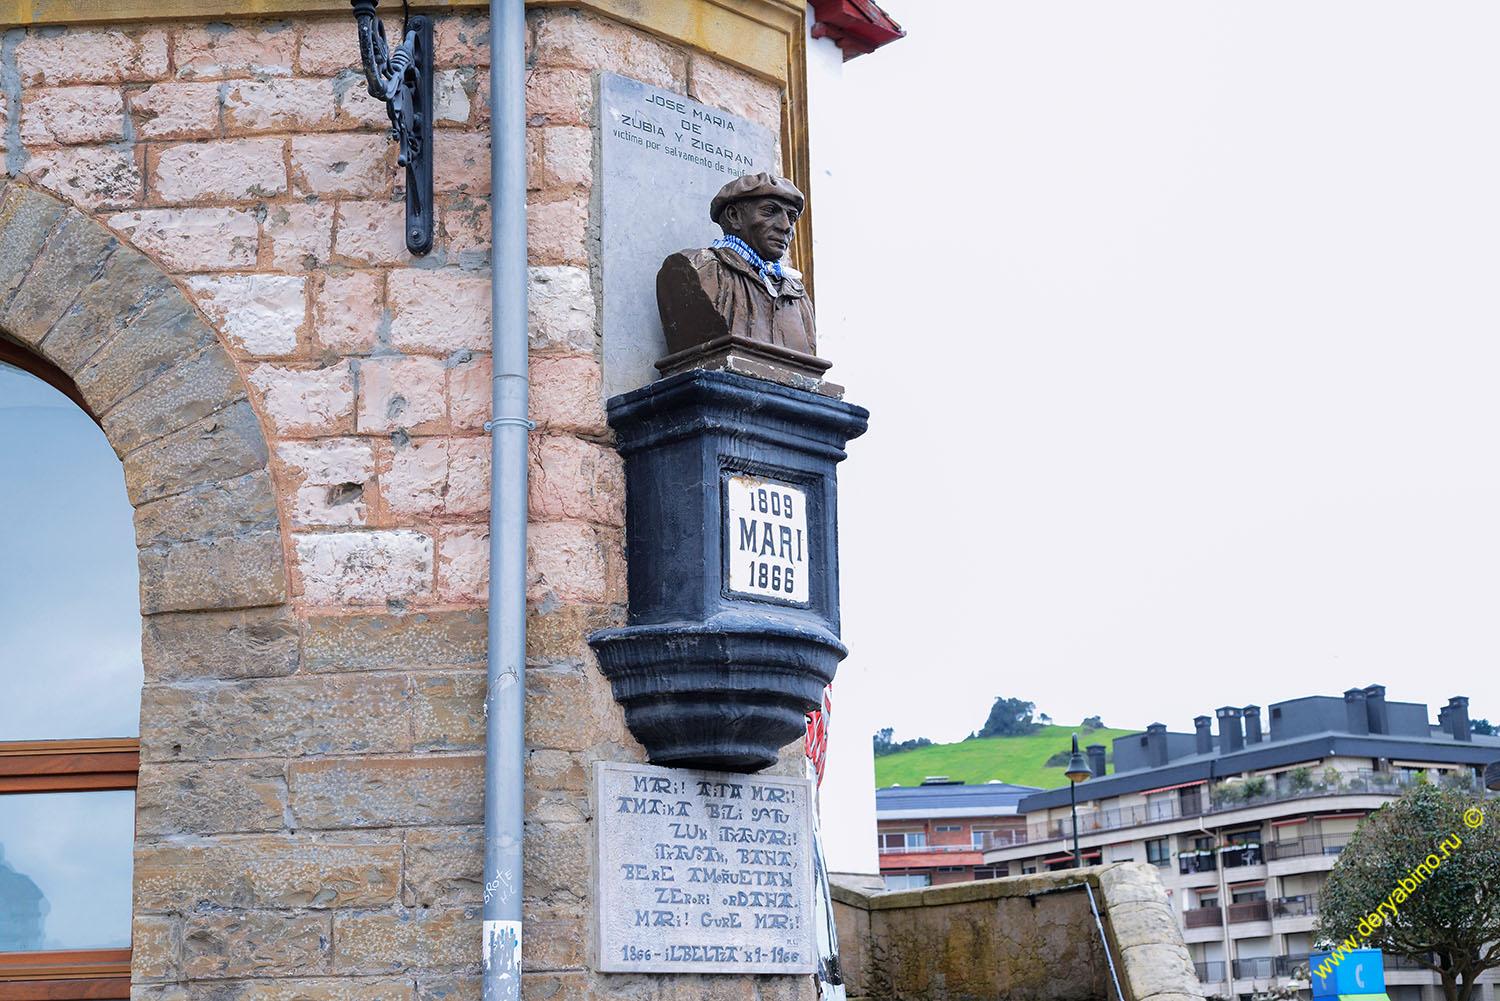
point(1078, 770)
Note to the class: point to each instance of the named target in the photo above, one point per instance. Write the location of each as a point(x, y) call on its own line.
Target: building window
point(952, 868)
point(1158, 852)
point(946, 828)
point(890, 840)
point(991, 871)
point(70, 634)
point(1028, 869)
point(906, 880)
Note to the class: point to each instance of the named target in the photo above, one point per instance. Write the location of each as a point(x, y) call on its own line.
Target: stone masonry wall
point(309, 810)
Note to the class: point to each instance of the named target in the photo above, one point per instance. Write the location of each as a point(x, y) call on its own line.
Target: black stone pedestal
point(732, 545)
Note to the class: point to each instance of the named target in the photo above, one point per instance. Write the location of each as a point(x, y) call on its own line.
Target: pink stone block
point(364, 567)
point(237, 171)
point(215, 51)
point(568, 156)
point(91, 56)
point(470, 388)
point(348, 164)
point(371, 233)
point(177, 111)
point(347, 308)
point(462, 40)
point(306, 402)
point(285, 105)
point(261, 315)
point(298, 236)
point(565, 395)
point(721, 86)
point(192, 239)
point(463, 563)
point(573, 479)
point(327, 46)
point(554, 97)
point(585, 42)
point(70, 115)
point(332, 482)
point(440, 310)
point(461, 162)
point(464, 228)
point(566, 562)
point(90, 176)
point(555, 231)
point(402, 393)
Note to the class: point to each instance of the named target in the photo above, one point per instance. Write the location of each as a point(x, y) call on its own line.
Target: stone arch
point(168, 396)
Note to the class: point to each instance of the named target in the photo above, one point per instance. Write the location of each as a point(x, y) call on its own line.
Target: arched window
point(70, 693)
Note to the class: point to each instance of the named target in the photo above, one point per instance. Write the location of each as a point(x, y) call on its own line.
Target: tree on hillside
point(1009, 718)
point(1092, 723)
point(884, 740)
point(1418, 858)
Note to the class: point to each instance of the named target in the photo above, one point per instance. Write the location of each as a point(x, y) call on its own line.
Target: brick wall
point(309, 811)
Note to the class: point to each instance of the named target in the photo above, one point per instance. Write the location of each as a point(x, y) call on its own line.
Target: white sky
point(1177, 323)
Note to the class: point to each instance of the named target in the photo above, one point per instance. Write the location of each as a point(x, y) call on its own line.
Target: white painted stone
point(334, 477)
point(364, 568)
point(560, 308)
point(260, 314)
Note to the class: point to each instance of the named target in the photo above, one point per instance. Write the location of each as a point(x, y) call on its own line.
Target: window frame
point(89, 764)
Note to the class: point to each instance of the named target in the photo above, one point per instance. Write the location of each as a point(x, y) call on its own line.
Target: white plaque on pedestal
point(766, 538)
point(702, 872)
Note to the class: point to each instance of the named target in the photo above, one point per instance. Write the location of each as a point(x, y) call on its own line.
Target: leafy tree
point(884, 740)
point(1092, 723)
point(1482, 726)
point(1009, 718)
point(1447, 915)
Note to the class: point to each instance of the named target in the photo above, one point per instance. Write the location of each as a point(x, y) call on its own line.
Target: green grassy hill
point(1009, 759)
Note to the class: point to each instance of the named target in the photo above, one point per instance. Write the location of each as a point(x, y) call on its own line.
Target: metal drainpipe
point(505, 694)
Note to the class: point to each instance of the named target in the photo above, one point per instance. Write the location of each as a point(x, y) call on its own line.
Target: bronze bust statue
point(736, 296)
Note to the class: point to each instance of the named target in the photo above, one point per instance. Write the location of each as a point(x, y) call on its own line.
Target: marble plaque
point(662, 159)
point(765, 528)
point(702, 872)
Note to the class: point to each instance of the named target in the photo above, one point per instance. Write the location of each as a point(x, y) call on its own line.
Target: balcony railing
point(1252, 969)
point(925, 849)
point(1000, 839)
point(1203, 917)
point(1288, 966)
point(1295, 907)
point(1236, 796)
point(1210, 973)
point(1191, 862)
point(1250, 910)
point(1394, 962)
point(1234, 856)
point(1312, 844)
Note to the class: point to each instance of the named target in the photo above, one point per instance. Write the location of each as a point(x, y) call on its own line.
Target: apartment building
point(938, 832)
point(1245, 823)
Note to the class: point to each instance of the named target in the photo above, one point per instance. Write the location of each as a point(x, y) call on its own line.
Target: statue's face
point(764, 223)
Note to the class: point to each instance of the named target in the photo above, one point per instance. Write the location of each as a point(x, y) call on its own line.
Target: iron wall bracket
point(403, 80)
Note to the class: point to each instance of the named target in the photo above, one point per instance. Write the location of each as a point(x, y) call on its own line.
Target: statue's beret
point(762, 185)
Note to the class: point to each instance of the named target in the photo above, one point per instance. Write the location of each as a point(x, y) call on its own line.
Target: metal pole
point(505, 695)
point(1073, 796)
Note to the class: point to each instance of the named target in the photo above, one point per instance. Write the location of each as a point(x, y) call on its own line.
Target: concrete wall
point(1025, 938)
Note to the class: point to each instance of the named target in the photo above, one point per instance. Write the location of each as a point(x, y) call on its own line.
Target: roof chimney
point(1355, 711)
point(1252, 724)
point(1205, 734)
point(1375, 709)
point(1231, 738)
point(1458, 718)
point(1156, 744)
point(1096, 759)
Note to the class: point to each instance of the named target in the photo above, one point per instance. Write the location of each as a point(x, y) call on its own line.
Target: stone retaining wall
point(1025, 938)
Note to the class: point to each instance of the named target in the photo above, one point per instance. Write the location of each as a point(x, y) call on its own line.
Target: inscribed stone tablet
point(703, 872)
point(663, 157)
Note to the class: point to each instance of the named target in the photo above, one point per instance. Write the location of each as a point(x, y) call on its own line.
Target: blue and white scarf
point(766, 268)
